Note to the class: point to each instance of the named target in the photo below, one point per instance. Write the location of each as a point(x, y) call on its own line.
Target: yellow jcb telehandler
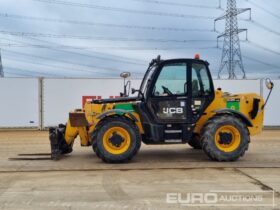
point(176, 104)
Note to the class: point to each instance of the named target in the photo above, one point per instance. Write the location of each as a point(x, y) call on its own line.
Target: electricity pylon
point(231, 54)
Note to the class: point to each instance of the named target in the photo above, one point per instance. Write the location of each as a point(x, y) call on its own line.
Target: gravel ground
point(81, 181)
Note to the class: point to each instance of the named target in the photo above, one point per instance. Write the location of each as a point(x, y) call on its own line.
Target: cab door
point(202, 89)
point(169, 100)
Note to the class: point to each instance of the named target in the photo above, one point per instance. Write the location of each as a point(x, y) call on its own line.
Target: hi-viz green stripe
point(127, 107)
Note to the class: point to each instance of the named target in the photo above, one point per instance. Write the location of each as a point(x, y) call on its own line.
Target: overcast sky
point(83, 38)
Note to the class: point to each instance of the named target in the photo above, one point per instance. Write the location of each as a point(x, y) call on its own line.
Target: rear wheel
point(225, 138)
point(117, 140)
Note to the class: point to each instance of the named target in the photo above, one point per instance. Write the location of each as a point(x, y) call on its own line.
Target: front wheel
point(117, 140)
point(225, 138)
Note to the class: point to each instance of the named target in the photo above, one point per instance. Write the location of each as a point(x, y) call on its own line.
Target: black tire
point(208, 138)
point(195, 142)
point(94, 138)
point(110, 122)
point(94, 143)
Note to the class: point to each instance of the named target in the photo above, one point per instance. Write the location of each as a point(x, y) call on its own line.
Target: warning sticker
point(233, 104)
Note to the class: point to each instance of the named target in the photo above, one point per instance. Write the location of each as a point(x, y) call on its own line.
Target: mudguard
point(236, 113)
point(117, 112)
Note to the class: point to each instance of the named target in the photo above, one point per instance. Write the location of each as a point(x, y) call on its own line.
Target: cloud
point(109, 57)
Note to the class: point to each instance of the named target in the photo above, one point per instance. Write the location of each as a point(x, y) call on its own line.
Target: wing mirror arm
point(125, 75)
point(137, 91)
point(270, 85)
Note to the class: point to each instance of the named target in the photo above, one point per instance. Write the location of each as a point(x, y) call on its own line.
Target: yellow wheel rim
point(121, 146)
point(234, 141)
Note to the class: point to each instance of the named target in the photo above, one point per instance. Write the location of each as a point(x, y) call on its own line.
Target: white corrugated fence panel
point(63, 95)
point(19, 106)
point(239, 86)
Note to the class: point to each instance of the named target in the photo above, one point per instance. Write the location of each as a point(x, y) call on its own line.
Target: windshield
point(147, 79)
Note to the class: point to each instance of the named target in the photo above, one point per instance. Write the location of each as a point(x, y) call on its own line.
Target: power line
point(111, 47)
point(17, 74)
point(247, 57)
point(30, 72)
point(109, 25)
point(68, 62)
point(57, 67)
point(261, 62)
point(56, 47)
point(100, 38)
point(126, 26)
point(116, 9)
point(47, 74)
point(90, 56)
point(119, 59)
point(254, 22)
point(264, 9)
point(264, 27)
point(63, 68)
point(257, 60)
point(176, 4)
point(262, 47)
point(65, 36)
point(122, 48)
point(129, 49)
point(257, 24)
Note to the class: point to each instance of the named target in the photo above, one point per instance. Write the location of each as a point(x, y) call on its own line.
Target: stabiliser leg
point(59, 146)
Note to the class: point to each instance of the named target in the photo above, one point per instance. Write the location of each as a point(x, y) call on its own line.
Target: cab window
point(201, 85)
point(171, 80)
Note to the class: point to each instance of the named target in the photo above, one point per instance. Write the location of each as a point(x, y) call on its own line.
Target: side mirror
point(125, 75)
point(269, 84)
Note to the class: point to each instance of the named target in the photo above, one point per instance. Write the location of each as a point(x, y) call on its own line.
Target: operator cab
point(174, 94)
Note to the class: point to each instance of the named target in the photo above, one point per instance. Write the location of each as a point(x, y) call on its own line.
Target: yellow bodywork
point(92, 111)
point(246, 104)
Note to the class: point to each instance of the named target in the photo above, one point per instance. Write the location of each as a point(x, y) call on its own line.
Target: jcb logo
point(173, 110)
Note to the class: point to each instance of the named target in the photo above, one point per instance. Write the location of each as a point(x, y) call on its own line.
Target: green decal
point(127, 107)
point(233, 105)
